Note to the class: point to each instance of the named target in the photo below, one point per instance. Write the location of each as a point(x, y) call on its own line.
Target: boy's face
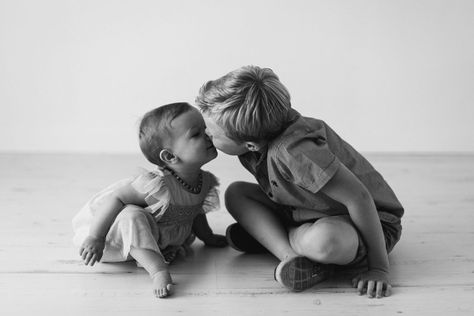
point(220, 139)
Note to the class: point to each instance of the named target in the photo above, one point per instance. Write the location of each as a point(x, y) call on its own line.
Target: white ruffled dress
point(166, 220)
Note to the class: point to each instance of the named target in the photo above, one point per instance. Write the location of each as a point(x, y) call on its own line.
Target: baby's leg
point(256, 213)
point(157, 268)
point(135, 229)
point(332, 239)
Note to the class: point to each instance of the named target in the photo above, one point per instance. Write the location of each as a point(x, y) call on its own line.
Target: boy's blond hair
point(250, 103)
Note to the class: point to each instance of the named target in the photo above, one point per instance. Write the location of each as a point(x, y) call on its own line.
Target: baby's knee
point(131, 213)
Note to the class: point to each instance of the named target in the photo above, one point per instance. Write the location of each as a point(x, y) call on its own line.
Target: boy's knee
point(318, 243)
point(326, 248)
point(236, 189)
point(234, 193)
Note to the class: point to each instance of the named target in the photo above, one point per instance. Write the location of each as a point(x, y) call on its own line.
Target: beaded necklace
point(193, 189)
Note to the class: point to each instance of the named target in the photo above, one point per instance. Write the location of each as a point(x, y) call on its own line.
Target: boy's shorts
point(391, 226)
point(392, 231)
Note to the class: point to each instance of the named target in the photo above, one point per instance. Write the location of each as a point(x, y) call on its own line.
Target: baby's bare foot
point(162, 284)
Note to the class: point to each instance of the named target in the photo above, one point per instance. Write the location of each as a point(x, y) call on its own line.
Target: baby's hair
point(250, 103)
point(155, 127)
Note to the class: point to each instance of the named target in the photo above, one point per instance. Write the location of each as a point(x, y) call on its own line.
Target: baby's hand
point(216, 241)
point(375, 282)
point(92, 249)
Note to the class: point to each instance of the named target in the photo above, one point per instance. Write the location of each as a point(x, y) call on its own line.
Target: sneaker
point(300, 273)
point(238, 238)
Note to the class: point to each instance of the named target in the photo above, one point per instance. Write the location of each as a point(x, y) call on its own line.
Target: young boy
point(318, 202)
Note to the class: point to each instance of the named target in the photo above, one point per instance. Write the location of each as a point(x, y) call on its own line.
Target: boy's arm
point(204, 232)
point(346, 188)
point(92, 248)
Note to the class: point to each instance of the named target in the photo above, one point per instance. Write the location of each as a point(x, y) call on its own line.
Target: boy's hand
point(92, 249)
point(374, 282)
point(216, 241)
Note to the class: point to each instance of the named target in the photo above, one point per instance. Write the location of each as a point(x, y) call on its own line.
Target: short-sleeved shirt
point(302, 159)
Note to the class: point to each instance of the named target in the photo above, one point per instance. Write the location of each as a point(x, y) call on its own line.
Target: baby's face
point(220, 139)
point(189, 140)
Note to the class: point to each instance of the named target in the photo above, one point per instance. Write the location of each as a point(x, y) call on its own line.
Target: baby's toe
point(159, 293)
point(164, 292)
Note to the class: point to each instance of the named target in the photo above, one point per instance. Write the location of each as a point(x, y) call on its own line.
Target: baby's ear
point(167, 156)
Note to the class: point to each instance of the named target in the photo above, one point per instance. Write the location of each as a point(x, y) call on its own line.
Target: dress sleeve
point(307, 161)
point(211, 201)
point(157, 195)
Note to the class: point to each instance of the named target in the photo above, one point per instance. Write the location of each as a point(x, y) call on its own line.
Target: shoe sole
point(255, 250)
point(297, 274)
point(229, 240)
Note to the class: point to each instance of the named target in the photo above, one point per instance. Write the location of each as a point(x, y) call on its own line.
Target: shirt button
point(274, 183)
point(270, 194)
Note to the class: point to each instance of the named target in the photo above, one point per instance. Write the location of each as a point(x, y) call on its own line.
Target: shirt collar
point(260, 156)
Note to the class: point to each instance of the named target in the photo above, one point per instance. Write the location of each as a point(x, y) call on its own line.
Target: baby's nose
point(208, 134)
point(209, 139)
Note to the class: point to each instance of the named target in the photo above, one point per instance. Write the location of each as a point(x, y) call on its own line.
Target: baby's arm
point(204, 232)
point(93, 246)
point(348, 190)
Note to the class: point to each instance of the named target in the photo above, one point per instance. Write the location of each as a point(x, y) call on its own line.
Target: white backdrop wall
point(75, 76)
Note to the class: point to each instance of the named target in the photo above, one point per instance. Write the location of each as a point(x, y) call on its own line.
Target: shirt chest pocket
point(272, 190)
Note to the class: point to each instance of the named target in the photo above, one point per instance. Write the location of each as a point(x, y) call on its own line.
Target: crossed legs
point(331, 240)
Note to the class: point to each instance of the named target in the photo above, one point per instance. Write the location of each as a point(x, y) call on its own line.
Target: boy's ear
point(253, 146)
point(167, 156)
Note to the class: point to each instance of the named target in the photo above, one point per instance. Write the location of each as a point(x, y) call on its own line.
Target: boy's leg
point(256, 213)
point(331, 240)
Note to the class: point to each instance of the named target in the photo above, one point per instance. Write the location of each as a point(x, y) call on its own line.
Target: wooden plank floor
point(41, 274)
